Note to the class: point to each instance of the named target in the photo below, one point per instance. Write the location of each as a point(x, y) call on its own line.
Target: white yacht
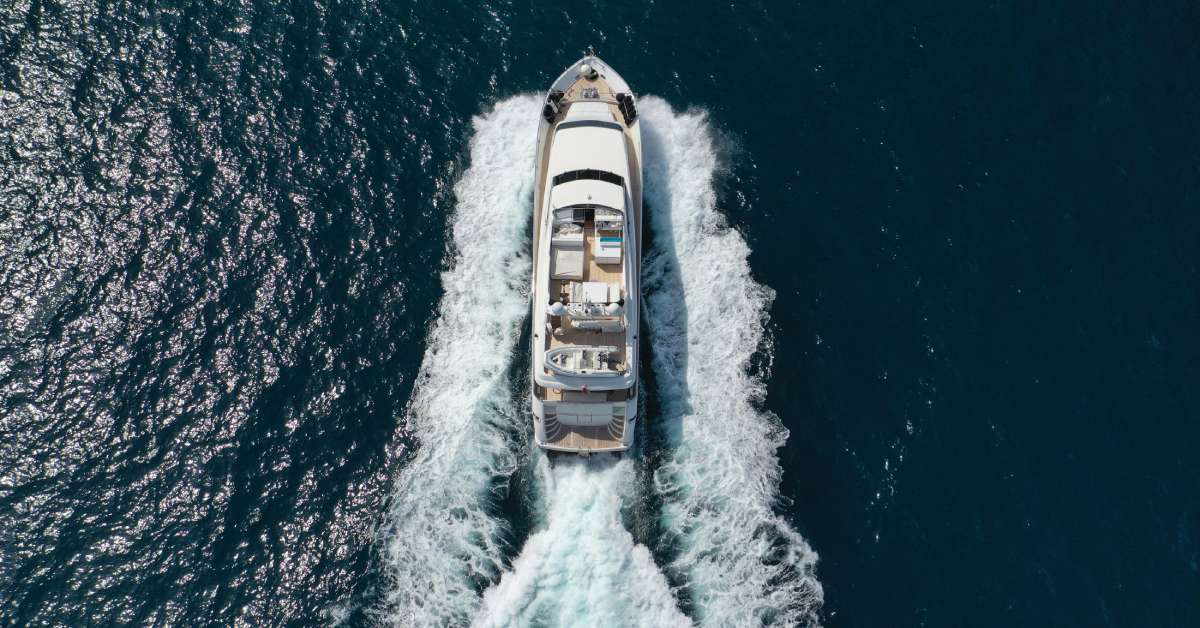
point(587, 234)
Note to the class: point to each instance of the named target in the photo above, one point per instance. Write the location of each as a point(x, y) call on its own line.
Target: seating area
point(607, 249)
point(566, 250)
point(587, 245)
point(607, 241)
point(594, 292)
point(588, 306)
point(566, 261)
point(587, 280)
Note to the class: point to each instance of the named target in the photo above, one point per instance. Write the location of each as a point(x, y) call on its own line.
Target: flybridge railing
point(608, 101)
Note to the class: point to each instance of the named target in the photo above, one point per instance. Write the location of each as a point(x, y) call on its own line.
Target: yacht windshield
point(588, 175)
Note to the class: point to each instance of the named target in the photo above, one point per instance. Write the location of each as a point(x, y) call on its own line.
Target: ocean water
point(922, 307)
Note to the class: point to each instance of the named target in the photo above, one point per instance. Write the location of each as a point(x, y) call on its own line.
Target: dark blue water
point(223, 228)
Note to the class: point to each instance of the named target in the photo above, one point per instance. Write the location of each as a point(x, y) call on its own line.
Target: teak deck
point(583, 438)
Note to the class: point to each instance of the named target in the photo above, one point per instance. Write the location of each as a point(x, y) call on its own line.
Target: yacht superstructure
point(587, 234)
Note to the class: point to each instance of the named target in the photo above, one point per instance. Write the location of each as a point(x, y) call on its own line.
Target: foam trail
point(584, 567)
point(442, 542)
point(743, 563)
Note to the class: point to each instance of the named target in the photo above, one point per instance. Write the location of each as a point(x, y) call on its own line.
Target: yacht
point(587, 234)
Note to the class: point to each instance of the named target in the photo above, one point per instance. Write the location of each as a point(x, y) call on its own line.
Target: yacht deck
point(586, 439)
point(611, 436)
point(574, 93)
point(559, 288)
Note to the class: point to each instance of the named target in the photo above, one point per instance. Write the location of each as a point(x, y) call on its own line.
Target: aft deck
point(585, 439)
point(557, 394)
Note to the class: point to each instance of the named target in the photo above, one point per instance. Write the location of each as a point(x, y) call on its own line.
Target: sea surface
point(923, 316)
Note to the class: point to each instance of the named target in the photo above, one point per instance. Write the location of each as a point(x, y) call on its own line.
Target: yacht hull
point(587, 243)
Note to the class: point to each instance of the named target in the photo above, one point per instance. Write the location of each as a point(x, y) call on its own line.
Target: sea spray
point(741, 561)
point(583, 567)
point(443, 541)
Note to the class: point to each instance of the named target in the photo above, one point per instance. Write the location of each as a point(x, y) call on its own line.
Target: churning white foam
point(442, 541)
point(583, 568)
point(743, 563)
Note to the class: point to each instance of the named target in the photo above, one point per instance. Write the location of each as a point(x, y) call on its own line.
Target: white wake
point(742, 562)
point(583, 568)
point(442, 543)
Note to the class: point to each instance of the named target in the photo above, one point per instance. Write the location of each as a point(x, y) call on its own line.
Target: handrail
point(571, 101)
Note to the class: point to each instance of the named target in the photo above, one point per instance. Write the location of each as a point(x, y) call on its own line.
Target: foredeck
point(604, 93)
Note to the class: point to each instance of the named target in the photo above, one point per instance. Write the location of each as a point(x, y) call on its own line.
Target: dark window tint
point(592, 175)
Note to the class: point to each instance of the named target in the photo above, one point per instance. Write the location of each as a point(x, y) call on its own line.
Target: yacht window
point(588, 175)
